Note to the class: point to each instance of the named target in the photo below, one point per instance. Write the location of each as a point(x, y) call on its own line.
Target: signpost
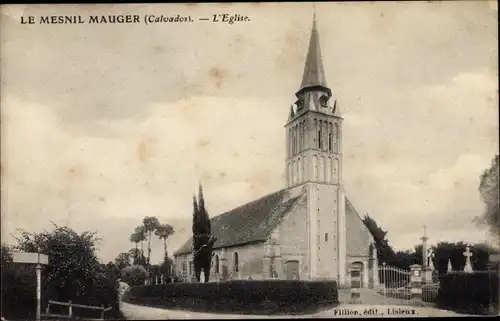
point(39, 259)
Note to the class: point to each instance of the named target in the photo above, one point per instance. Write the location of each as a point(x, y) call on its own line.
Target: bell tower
point(314, 126)
point(314, 159)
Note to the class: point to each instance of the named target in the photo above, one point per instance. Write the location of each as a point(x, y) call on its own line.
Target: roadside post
point(39, 260)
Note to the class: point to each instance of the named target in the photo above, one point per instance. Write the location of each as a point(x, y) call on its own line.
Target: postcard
point(249, 160)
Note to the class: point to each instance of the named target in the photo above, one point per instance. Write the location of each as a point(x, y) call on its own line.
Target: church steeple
point(314, 127)
point(314, 73)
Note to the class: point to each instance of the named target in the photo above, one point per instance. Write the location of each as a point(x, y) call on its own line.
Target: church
point(309, 230)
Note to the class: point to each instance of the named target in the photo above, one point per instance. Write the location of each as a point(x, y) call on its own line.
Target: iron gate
point(395, 281)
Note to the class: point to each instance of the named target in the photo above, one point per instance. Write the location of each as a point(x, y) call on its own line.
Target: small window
point(216, 264)
point(330, 140)
point(235, 262)
point(190, 267)
point(323, 100)
point(326, 237)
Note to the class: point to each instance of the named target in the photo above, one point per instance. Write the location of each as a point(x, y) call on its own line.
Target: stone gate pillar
point(416, 282)
point(366, 274)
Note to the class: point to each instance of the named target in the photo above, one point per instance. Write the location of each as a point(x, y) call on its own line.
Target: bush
point(134, 275)
point(468, 292)
point(73, 273)
point(240, 296)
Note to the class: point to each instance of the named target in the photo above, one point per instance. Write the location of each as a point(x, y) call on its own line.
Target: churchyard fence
point(406, 285)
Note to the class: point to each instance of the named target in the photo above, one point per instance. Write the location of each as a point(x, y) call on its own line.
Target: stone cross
point(468, 265)
point(202, 276)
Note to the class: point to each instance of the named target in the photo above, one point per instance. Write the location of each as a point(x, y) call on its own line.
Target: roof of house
point(256, 220)
point(251, 222)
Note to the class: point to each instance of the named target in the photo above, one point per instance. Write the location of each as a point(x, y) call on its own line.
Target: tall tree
point(203, 240)
point(164, 231)
point(385, 253)
point(141, 235)
point(488, 188)
point(134, 238)
point(150, 223)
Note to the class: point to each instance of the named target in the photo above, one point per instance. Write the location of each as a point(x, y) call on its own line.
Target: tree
point(134, 275)
point(166, 266)
point(74, 272)
point(488, 188)
point(135, 238)
point(18, 287)
point(385, 253)
point(122, 260)
point(150, 224)
point(203, 240)
point(140, 232)
point(112, 270)
point(163, 232)
point(135, 254)
point(444, 251)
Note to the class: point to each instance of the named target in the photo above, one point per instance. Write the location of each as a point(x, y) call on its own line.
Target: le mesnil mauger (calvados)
point(131, 19)
point(310, 225)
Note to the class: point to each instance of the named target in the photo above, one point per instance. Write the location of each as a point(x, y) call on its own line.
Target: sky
point(102, 125)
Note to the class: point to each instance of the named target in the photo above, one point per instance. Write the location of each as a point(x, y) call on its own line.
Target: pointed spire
point(292, 114)
point(314, 74)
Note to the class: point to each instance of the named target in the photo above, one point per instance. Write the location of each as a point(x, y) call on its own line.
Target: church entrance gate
point(292, 270)
point(358, 266)
point(395, 282)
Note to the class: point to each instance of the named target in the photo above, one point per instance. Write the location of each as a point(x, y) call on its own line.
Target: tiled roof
point(251, 222)
point(359, 237)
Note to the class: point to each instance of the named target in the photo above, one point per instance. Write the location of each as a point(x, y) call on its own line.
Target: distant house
point(308, 230)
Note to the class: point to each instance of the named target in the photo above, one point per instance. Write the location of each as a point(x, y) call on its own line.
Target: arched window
point(315, 167)
point(235, 262)
point(299, 129)
point(216, 264)
point(320, 135)
point(336, 138)
point(184, 269)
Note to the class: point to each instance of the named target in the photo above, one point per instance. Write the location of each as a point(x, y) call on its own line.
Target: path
point(136, 312)
point(371, 297)
point(372, 302)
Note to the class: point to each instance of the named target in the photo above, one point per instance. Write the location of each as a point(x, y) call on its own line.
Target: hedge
point(473, 293)
point(261, 297)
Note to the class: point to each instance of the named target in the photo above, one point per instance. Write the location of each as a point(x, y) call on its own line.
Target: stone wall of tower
point(296, 162)
point(323, 216)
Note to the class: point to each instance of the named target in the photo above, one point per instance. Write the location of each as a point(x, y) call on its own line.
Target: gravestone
point(449, 268)
point(468, 265)
point(202, 276)
point(431, 264)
